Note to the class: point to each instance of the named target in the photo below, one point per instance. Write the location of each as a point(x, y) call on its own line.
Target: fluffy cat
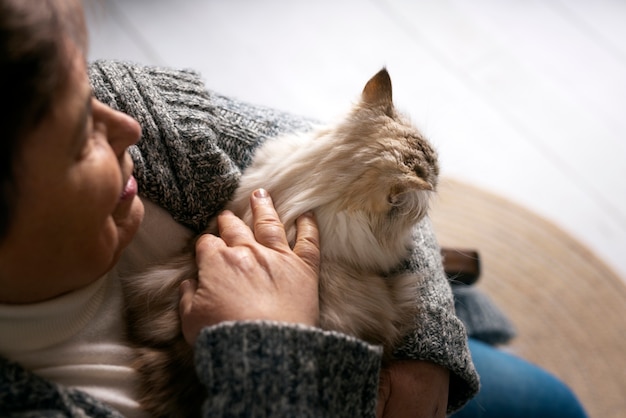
point(368, 179)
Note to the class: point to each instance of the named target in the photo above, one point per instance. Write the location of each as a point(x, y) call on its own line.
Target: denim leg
point(512, 388)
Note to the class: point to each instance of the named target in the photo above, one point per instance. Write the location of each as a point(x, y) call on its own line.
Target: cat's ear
point(408, 183)
point(377, 91)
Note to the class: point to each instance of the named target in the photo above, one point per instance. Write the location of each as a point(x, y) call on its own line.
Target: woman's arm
point(439, 336)
point(280, 369)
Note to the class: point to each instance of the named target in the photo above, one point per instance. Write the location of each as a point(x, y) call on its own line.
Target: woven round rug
point(568, 307)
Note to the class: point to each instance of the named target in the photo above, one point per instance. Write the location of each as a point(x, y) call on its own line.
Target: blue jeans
point(512, 388)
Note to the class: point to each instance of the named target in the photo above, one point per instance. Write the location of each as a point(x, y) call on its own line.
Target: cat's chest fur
point(368, 179)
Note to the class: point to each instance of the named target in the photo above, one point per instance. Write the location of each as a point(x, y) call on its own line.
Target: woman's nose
point(122, 130)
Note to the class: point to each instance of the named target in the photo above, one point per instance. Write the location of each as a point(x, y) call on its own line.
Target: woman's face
point(77, 205)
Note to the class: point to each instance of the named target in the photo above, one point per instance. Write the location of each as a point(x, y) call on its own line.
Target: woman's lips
point(130, 189)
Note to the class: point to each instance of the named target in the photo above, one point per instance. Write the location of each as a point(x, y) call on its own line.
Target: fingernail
point(307, 214)
point(188, 284)
point(261, 193)
point(184, 286)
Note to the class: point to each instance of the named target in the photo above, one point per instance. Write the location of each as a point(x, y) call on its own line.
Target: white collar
point(39, 325)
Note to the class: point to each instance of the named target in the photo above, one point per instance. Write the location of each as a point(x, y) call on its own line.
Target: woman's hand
point(412, 388)
point(249, 275)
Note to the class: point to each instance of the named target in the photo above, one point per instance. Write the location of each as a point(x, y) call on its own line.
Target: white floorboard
point(526, 99)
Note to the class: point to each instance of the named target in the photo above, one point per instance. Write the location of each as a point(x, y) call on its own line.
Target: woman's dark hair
point(33, 67)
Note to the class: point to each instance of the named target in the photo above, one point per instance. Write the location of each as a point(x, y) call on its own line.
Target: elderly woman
point(69, 209)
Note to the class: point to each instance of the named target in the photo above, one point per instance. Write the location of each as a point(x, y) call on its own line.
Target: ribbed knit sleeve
point(269, 369)
point(196, 143)
point(439, 335)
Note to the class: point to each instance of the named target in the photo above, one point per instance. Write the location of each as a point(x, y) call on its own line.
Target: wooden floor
point(525, 99)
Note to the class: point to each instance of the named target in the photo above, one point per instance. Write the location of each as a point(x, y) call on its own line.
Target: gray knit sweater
point(195, 144)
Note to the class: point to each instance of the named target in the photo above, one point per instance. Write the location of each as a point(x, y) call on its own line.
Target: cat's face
point(397, 167)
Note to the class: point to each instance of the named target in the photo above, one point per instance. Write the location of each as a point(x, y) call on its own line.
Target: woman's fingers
point(232, 230)
point(308, 241)
point(247, 276)
point(187, 290)
point(268, 229)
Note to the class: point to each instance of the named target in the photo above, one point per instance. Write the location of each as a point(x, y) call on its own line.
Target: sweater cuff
point(438, 336)
point(263, 368)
